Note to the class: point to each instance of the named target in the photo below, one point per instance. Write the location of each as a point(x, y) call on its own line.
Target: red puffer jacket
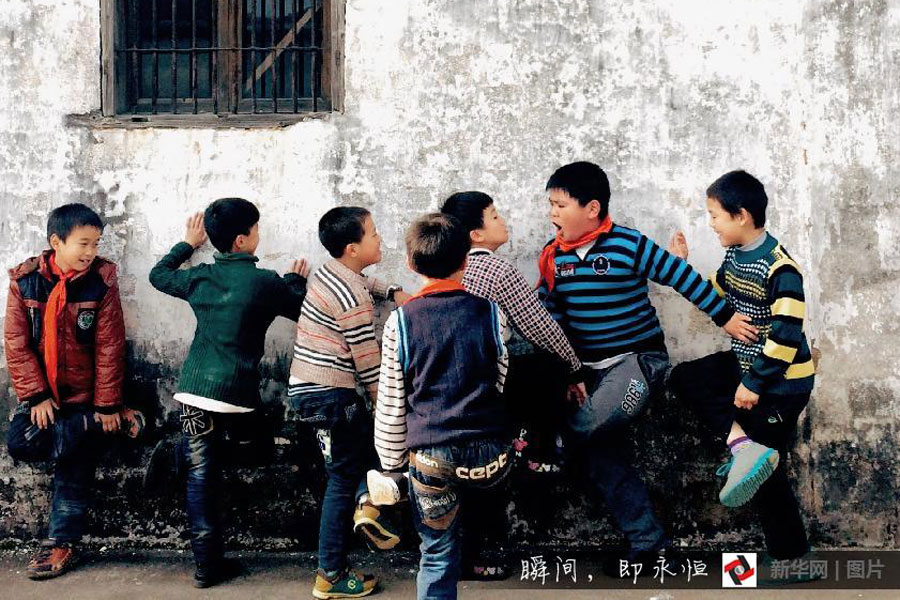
point(91, 335)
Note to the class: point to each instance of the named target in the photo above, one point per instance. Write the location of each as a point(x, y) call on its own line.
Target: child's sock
point(737, 444)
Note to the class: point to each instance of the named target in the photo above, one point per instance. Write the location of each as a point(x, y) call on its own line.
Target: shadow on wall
point(275, 506)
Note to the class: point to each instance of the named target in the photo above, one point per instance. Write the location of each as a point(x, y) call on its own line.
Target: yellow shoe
point(367, 520)
point(346, 585)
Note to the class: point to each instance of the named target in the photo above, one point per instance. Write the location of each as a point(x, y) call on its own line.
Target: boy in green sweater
point(234, 303)
point(751, 396)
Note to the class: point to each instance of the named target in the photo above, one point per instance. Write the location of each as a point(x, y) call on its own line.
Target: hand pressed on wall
point(195, 232)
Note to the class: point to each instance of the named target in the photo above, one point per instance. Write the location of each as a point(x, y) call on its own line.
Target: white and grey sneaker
point(384, 488)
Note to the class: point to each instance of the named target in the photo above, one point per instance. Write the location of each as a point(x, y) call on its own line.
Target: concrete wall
point(446, 95)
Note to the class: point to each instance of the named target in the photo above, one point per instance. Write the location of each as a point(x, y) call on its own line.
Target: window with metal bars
point(221, 57)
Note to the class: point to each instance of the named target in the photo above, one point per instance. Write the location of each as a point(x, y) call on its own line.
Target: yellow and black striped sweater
point(765, 283)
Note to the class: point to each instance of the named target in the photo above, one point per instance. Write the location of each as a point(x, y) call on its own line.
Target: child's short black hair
point(341, 226)
point(739, 189)
point(437, 245)
point(227, 218)
point(584, 181)
point(467, 208)
point(63, 219)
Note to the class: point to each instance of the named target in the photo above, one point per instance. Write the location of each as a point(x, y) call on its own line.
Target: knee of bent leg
point(25, 441)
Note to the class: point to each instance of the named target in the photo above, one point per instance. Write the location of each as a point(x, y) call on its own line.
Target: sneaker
point(346, 585)
point(209, 575)
point(368, 520)
point(746, 471)
point(384, 488)
point(52, 560)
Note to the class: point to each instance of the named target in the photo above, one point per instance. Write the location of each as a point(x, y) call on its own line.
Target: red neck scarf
point(437, 286)
point(547, 260)
point(56, 303)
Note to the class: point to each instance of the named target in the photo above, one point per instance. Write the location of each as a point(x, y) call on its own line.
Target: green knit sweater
point(234, 303)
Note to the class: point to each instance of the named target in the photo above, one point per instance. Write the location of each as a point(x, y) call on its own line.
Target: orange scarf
point(56, 303)
point(437, 286)
point(547, 260)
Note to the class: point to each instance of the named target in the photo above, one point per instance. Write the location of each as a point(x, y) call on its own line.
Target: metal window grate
point(220, 56)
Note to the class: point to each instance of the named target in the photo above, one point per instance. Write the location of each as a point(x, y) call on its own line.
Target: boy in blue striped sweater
point(594, 281)
point(751, 396)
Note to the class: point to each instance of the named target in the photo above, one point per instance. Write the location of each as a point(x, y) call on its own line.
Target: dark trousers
point(458, 491)
point(600, 432)
point(71, 443)
point(534, 393)
point(210, 442)
point(344, 430)
point(708, 386)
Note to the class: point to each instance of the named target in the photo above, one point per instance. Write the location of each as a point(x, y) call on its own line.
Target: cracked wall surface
point(445, 95)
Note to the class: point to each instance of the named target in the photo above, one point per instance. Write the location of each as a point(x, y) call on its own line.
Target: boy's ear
point(351, 250)
point(594, 209)
point(476, 236)
point(744, 217)
point(55, 241)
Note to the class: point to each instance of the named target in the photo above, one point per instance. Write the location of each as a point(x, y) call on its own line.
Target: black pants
point(708, 385)
point(535, 396)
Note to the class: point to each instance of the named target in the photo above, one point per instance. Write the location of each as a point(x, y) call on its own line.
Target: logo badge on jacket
point(600, 265)
point(565, 270)
point(85, 319)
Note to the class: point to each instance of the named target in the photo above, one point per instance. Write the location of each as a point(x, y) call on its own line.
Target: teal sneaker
point(747, 471)
point(346, 585)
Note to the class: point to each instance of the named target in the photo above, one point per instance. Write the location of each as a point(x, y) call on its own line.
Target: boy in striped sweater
point(751, 397)
point(334, 351)
point(594, 281)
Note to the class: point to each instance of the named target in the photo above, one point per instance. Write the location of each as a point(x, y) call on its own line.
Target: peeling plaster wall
point(494, 95)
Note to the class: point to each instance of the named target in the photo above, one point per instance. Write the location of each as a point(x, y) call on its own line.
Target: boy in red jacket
point(65, 349)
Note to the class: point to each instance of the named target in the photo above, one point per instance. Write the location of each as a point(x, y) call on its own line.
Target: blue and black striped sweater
point(602, 301)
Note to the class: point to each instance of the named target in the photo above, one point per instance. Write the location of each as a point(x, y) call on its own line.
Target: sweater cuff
point(723, 316)
point(36, 399)
point(753, 383)
point(295, 280)
point(182, 251)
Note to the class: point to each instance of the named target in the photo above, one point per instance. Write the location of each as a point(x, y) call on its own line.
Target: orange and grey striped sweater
point(336, 343)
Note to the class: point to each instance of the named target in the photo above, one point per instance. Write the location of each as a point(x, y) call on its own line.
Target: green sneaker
point(346, 585)
point(747, 471)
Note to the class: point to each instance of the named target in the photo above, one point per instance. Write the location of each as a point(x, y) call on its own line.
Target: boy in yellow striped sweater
point(752, 396)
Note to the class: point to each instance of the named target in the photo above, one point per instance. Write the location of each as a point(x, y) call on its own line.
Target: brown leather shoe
point(52, 561)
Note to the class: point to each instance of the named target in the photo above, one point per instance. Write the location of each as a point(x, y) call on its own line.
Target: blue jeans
point(71, 444)
point(449, 486)
point(600, 432)
point(344, 429)
point(211, 441)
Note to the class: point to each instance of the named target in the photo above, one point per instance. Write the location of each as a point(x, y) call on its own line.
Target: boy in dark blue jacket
point(439, 404)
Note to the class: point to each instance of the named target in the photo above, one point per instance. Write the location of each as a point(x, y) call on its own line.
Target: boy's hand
point(678, 245)
point(744, 398)
point(577, 392)
point(195, 233)
point(111, 423)
point(739, 327)
point(300, 267)
point(400, 297)
point(43, 414)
